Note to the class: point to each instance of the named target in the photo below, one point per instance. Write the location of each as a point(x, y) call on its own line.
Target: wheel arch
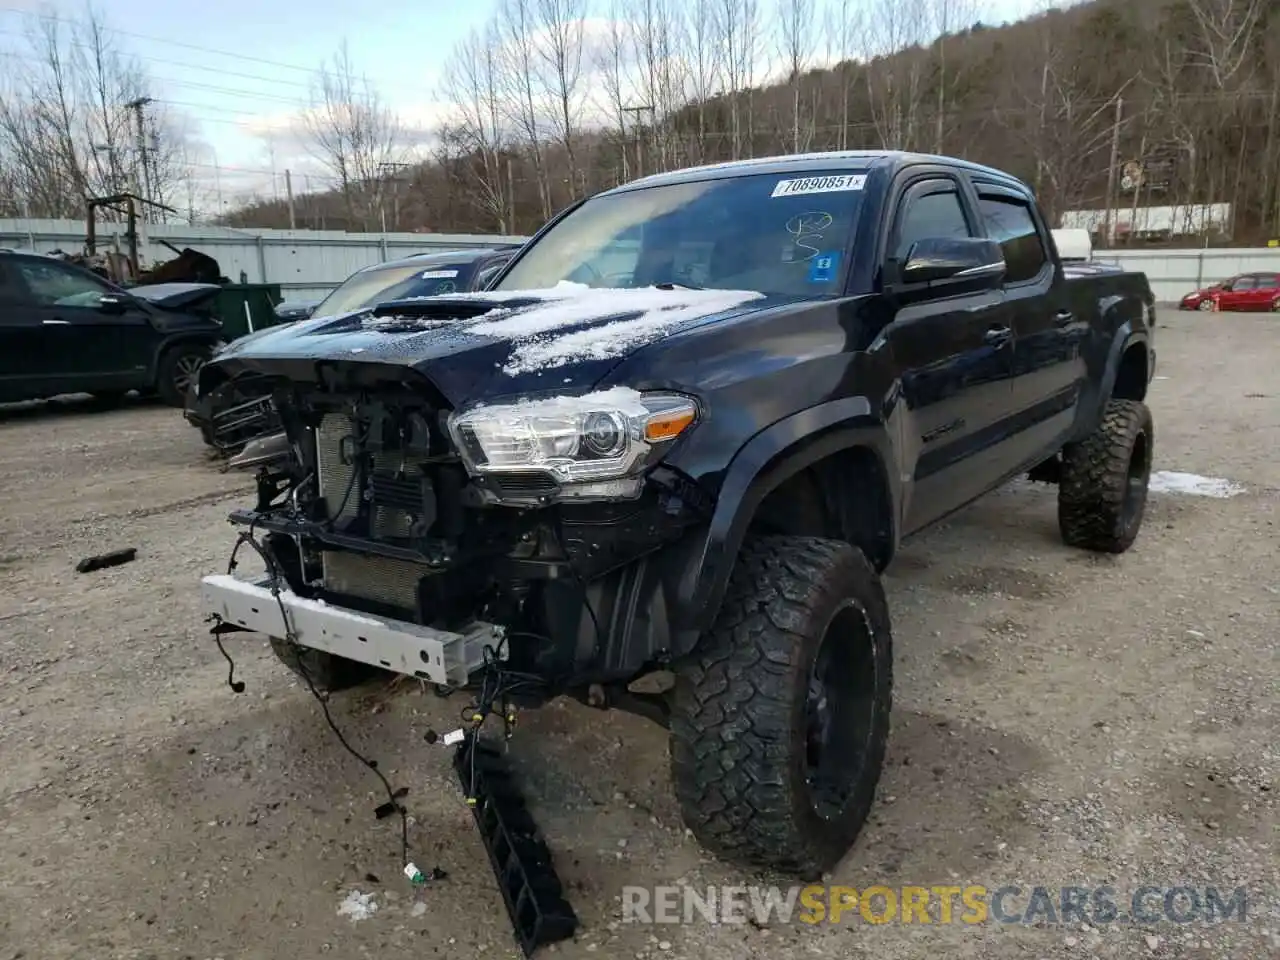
point(823, 450)
point(1126, 374)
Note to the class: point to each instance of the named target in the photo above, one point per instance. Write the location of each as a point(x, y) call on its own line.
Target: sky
point(236, 74)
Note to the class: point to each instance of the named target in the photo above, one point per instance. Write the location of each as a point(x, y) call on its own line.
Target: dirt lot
point(1060, 718)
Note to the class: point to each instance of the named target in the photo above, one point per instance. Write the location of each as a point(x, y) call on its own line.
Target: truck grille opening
point(402, 495)
point(371, 577)
point(402, 505)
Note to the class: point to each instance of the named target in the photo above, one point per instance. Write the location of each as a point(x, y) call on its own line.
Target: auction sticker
point(439, 274)
point(833, 184)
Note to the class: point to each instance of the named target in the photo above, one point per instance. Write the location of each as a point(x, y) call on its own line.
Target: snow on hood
point(571, 322)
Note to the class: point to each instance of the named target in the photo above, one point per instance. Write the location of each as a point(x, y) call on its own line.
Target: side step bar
point(518, 854)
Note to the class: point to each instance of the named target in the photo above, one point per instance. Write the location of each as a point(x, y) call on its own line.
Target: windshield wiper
point(673, 285)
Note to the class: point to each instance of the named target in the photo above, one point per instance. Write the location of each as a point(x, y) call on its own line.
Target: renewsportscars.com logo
point(972, 904)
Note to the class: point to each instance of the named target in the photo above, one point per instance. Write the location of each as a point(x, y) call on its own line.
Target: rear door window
point(1009, 222)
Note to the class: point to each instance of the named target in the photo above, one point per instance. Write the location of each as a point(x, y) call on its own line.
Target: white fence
point(309, 263)
point(1174, 273)
point(306, 263)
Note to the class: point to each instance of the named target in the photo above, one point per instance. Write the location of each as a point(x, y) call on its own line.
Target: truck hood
point(473, 346)
point(176, 296)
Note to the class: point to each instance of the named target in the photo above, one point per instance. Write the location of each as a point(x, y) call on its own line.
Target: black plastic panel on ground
point(519, 856)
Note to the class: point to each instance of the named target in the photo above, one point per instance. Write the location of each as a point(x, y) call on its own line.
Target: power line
point(167, 42)
point(222, 71)
point(173, 81)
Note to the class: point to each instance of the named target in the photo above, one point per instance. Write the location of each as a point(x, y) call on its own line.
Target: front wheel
point(780, 718)
point(177, 371)
point(1102, 494)
point(326, 672)
point(1206, 306)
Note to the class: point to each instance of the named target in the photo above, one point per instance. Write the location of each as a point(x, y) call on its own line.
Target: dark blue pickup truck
point(661, 461)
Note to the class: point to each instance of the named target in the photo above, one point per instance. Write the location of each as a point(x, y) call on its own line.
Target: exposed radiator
point(371, 577)
point(397, 499)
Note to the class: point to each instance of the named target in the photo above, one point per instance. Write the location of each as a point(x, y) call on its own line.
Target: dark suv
point(66, 330)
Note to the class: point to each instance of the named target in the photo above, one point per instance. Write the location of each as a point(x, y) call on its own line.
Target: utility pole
point(637, 110)
point(1111, 169)
point(288, 192)
point(395, 179)
point(137, 107)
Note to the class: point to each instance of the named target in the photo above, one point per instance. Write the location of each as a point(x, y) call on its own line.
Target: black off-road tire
point(175, 369)
point(739, 735)
point(1102, 495)
point(328, 673)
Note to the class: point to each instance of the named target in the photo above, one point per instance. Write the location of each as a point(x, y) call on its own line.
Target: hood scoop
point(396, 316)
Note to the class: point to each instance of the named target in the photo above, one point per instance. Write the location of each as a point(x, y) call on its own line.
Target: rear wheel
point(780, 719)
point(1102, 495)
point(177, 371)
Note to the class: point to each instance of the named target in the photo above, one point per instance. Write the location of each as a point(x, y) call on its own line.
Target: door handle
point(1063, 317)
point(997, 335)
point(56, 323)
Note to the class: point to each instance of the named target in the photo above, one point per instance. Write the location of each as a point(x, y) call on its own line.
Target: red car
point(1249, 292)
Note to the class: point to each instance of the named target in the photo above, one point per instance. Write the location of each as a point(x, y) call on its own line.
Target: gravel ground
point(1060, 718)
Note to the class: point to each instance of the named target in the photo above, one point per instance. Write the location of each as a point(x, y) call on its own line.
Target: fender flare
point(1094, 400)
point(772, 456)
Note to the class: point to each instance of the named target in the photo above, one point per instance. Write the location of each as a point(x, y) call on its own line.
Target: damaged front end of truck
point(406, 532)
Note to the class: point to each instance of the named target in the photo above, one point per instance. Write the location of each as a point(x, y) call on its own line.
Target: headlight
point(599, 443)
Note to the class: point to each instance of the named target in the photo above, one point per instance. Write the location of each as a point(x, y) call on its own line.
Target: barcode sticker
point(836, 184)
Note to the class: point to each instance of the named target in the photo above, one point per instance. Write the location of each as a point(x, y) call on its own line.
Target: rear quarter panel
point(1120, 309)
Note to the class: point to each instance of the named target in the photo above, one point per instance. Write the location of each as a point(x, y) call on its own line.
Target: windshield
point(371, 287)
point(772, 233)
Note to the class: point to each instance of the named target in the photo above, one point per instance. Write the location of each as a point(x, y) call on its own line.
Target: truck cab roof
point(852, 161)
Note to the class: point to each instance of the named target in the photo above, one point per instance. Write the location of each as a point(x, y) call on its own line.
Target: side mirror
point(112, 303)
point(960, 263)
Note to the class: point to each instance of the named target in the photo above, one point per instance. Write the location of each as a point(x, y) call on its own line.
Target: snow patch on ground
point(1171, 481)
point(358, 906)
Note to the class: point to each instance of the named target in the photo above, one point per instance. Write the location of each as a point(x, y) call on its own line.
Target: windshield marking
point(833, 184)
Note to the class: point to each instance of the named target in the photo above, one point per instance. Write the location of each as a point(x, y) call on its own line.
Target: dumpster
point(245, 307)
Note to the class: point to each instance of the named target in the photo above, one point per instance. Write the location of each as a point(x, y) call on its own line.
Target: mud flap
point(519, 856)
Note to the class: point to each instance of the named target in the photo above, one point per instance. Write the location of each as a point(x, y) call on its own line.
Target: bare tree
point(353, 133)
point(657, 40)
point(947, 17)
point(842, 25)
point(560, 50)
point(473, 85)
point(66, 131)
point(736, 21)
point(521, 94)
point(613, 62)
point(895, 30)
point(704, 57)
point(795, 20)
